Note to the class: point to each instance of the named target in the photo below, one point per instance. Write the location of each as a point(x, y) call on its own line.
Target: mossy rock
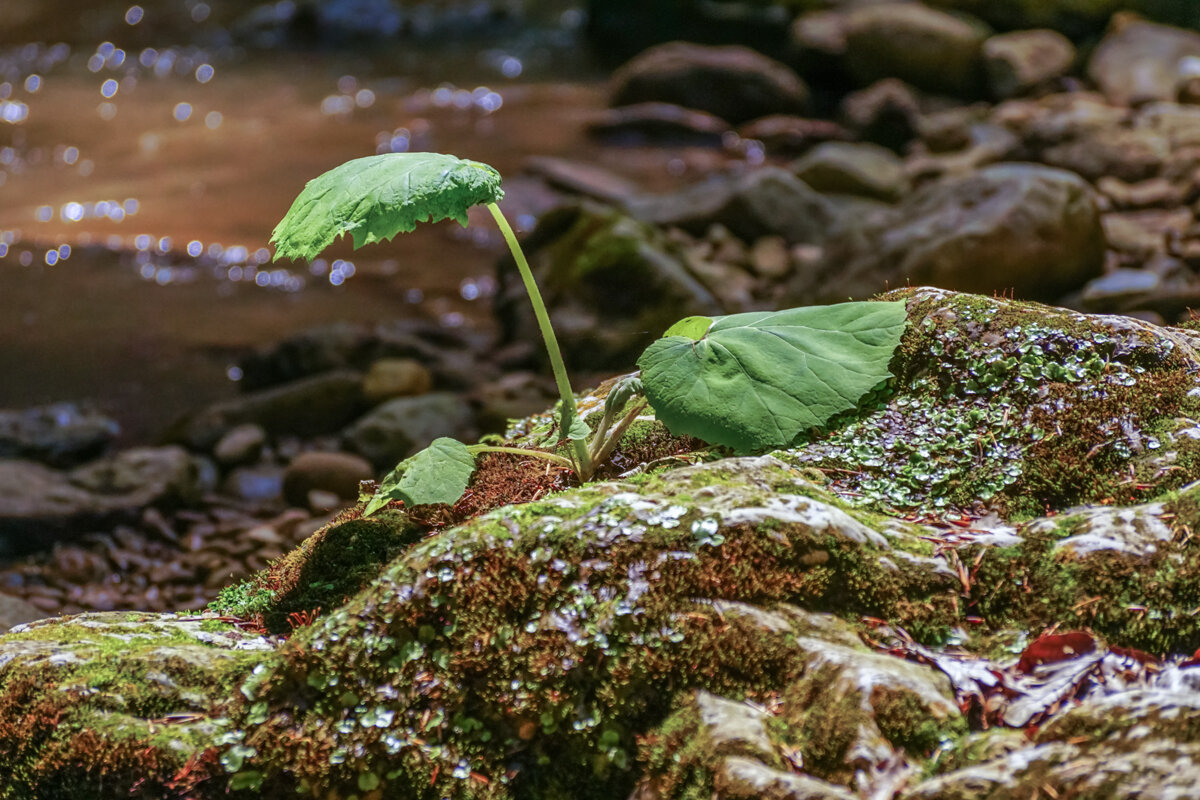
point(684, 630)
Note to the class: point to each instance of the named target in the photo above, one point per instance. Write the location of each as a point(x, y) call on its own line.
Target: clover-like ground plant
point(749, 381)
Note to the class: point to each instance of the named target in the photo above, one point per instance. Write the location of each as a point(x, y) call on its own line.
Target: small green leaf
point(579, 430)
point(692, 328)
point(376, 197)
point(626, 389)
point(438, 474)
point(755, 381)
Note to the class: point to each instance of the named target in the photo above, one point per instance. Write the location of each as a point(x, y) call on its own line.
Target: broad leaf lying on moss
point(376, 197)
point(755, 381)
point(438, 474)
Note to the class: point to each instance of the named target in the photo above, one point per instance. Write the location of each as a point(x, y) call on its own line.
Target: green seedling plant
point(749, 382)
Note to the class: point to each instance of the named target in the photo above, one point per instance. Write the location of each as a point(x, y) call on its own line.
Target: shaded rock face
point(39, 504)
point(806, 623)
point(61, 435)
point(1139, 62)
point(1018, 62)
point(734, 83)
point(1025, 227)
point(922, 46)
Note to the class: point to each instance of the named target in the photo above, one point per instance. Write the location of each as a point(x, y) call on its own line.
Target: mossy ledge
point(608, 638)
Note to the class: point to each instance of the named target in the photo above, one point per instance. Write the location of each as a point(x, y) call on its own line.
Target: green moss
point(555, 632)
point(1013, 405)
point(114, 707)
point(676, 756)
point(326, 569)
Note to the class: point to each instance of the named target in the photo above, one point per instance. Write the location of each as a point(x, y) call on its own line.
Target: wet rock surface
point(802, 624)
point(981, 584)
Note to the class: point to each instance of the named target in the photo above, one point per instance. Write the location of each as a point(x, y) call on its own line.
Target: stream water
point(139, 187)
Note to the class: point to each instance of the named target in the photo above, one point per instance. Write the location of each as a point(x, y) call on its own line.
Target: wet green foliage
point(376, 197)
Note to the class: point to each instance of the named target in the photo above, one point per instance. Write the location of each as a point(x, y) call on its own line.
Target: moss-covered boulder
point(837, 619)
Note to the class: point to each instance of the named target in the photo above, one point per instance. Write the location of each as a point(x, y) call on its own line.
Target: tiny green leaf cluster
point(750, 382)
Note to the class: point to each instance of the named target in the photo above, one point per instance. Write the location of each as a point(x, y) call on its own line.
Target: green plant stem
point(583, 461)
point(553, 458)
point(605, 450)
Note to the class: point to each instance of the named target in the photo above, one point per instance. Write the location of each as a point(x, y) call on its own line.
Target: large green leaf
point(438, 474)
point(755, 381)
point(376, 197)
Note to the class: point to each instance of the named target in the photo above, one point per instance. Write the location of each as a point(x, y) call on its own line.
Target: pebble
point(242, 445)
point(396, 377)
point(336, 473)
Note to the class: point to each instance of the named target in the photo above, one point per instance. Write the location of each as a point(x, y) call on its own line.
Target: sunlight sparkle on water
point(204, 73)
point(213, 120)
point(182, 111)
point(13, 112)
point(134, 15)
point(195, 248)
point(109, 88)
point(33, 83)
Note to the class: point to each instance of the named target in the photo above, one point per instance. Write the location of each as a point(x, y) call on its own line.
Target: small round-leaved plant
point(750, 382)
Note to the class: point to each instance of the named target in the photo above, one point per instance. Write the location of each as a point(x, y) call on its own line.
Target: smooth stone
point(334, 473)
point(1022, 227)
point(242, 445)
point(395, 430)
point(260, 483)
point(731, 82)
point(396, 377)
point(313, 406)
point(659, 124)
point(1019, 62)
point(1138, 62)
point(865, 169)
point(60, 435)
point(928, 48)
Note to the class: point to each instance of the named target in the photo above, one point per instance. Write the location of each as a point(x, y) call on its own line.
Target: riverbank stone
point(925, 47)
point(731, 82)
point(1016, 227)
point(392, 432)
point(59, 435)
point(801, 623)
point(39, 505)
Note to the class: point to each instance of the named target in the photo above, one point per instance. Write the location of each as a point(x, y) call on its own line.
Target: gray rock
point(886, 113)
point(791, 135)
point(15, 611)
point(930, 49)
point(1019, 62)
point(396, 377)
point(258, 483)
point(398, 428)
point(853, 168)
point(1022, 227)
point(1139, 62)
point(764, 202)
point(241, 445)
point(60, 435)
point(581, 178)
point(1131, 154)
point(336, 473)
point(660, 125)
point(313, 406)
point(39, 505)
point(734, 83)
point(1120, 290)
